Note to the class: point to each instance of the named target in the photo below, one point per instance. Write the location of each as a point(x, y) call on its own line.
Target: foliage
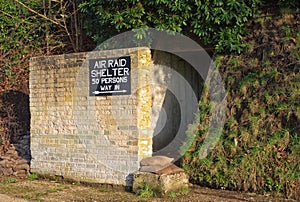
point(217, 23)
point(17, 31)
point(178, 193)
point(28, 29)
point(289, 4)
point(8, 180)
point(31, 28)
point(32, 176)
point(259, 149)
point(145, 191)
point(172, 194)
point(27, 197)
point(56, 189)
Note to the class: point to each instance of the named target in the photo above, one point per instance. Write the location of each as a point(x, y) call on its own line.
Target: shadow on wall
point(168, 122)
point(15, 121)
point(177, 107)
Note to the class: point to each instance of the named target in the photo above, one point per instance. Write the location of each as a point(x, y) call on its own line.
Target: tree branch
point(41, 15)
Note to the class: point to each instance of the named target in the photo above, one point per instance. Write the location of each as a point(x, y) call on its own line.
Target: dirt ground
point(19, 190)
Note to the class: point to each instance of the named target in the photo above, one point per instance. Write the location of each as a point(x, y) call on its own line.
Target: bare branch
point(39, 14)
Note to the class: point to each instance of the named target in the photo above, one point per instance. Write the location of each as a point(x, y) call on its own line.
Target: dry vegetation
point(259, 150)
point(34, 189)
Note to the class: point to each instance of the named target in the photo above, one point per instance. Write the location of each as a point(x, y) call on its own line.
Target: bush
point(259, 148)
point(218, 24)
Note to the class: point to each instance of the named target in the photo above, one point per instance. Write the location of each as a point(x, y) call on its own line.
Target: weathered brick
point(84, 137)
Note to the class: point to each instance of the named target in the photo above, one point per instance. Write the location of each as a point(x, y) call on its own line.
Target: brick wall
point(102, 138)
point(97, 139)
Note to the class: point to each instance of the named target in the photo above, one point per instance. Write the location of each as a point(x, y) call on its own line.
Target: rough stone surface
point(11, 164)
point(102, 139)
point(161, 184)
point(97, 139)
point(160, 175)
point(156, 161)
point(152, 168)
point(170, 169)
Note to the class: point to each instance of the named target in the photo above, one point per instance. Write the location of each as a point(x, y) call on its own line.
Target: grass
point(30, 194)
point(56, 189)
point(182, 192)
point(11, 188)
point(259, 147)
point(32, 176)
point(185, 191)
point(35, 197)
point(172, 194)
point(27, 197)
point(145, 191)
point(42, 193)
point(48, 190)
point(8, 180)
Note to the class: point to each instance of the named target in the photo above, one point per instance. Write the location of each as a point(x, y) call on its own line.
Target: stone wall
point(103, 138)
point(12, 164)
point(98, 139)
point(15, 135)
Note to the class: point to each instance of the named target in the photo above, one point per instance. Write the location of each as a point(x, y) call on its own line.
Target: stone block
point(156, 161)
point(161, 184)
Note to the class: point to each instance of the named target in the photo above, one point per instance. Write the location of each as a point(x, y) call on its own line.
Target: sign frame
point(110, 76)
